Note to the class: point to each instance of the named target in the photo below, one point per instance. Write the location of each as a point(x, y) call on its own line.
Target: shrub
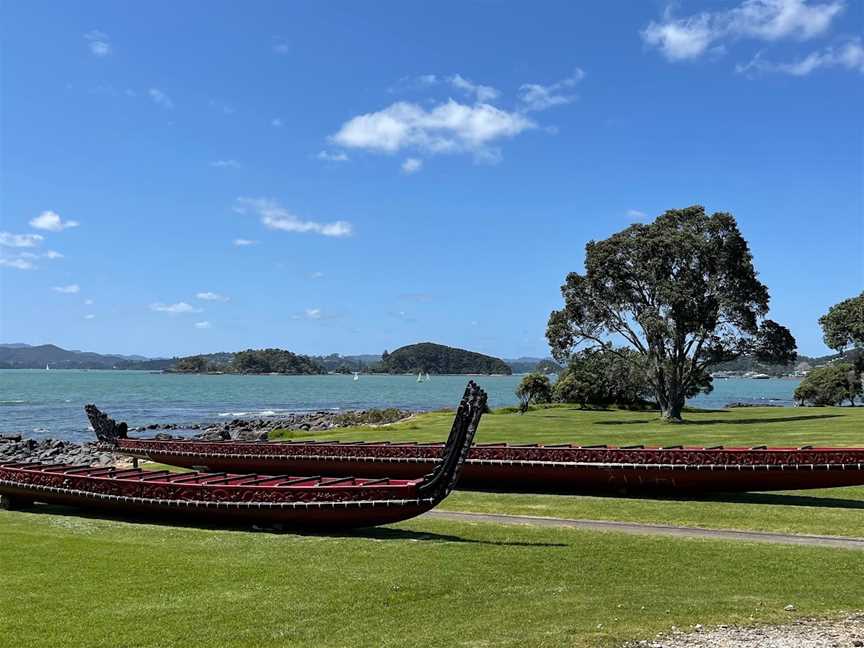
point(831, 385)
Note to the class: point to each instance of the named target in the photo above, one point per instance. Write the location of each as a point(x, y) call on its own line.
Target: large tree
point(843, 325)
point(682, 292)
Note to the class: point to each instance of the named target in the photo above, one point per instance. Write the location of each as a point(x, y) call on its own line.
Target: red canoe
point(271, 498)
point(527, 468)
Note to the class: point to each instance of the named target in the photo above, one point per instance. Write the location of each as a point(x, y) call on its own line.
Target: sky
point(342, 177)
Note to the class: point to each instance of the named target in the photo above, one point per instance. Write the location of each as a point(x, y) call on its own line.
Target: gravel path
point(803, 633)
point(655, 529)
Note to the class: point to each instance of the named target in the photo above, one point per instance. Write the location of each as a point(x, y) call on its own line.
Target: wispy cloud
point(690, 37)
point(327, 156)
point(17, 263)
point(449, 127)
point(212, 296)
point(849, 55)
point(203, 325)
point(241, 242)
point(160, 98)
point(70, 289)
point(536, 97)
point(51, 222)
point(313, 313)
point(88, 302)
point(274, 216)
point(89, 316)
point(174, 309)
point(482, 93)
point(316, 275)
point(8, 239)
point(635, 214)
point(280, 46)
point(225, 164)
point(98, 42)
point(277, 123)
point(412, 165)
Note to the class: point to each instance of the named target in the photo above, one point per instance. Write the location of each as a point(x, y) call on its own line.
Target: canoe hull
point(538, 470)
point(324, 516)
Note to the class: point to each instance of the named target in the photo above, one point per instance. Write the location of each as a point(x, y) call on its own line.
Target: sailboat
point(47, 368)
point(356, 375)
point(427, 377)
point(420, 376)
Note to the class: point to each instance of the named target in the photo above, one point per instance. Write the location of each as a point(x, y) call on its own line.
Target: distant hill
point(527, 364)
point(439, 359)
point(23, 356)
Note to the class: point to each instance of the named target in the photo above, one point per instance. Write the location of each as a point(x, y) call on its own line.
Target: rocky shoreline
point(16, 448)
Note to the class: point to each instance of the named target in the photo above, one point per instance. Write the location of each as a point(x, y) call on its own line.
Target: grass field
point(838, 511)
point(77, 581)
point(72, 580)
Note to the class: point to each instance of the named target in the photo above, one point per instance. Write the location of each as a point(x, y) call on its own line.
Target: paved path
point(654, 529)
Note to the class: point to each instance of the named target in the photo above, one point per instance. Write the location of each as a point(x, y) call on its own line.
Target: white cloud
point(412, 165)
point(52, 254)
point(18, 264)
point(203, 325)
point(71, 289)
point(225, 164)
point(277, 123)
point(316, 275)
point(769, 20)
point(89, 316)
point(8, 239)
point(212, 296)
point(635, 214)
point(274, 216)
point(339, 156)
point(99, 43)
point(51, 222)
point(160, 98)
point(849, 55)
point(88, 302)
point(481, 93)
point(535, 96)
point(450, 127)
point(313, 313)
point(174, 309)
point(241, 242)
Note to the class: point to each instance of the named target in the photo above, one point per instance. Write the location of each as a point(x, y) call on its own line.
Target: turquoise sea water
point(41, 403)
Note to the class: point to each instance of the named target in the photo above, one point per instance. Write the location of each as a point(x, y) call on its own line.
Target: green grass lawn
point(834, 426)
point(69, 580)
point(838, 511)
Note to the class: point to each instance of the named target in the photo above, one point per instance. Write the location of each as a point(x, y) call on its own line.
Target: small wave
point(234, 413)
point(12, 402)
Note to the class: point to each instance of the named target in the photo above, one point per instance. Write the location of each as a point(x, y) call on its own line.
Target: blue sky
point(348, 177)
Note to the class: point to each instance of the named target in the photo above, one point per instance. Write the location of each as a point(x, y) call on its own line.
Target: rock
point(790, 608)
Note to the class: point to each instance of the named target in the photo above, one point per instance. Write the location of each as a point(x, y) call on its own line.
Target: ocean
point(38, 403)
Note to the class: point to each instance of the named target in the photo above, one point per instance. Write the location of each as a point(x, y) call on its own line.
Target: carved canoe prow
point(107, 429)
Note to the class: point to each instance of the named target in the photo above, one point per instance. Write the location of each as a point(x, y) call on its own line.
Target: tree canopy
point(843, 324)
point(533, 388)
point(831, 385)
point(681, 291)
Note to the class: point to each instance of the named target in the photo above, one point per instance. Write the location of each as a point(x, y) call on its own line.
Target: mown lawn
point(838, 511)
point(77, 581)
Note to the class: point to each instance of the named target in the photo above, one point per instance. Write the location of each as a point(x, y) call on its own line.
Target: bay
point(39, 403)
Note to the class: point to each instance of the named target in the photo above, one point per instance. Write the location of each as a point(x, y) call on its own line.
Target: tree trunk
point(672, 413)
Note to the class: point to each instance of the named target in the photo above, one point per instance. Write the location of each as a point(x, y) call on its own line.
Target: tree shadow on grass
point(383, 533)
point(736, 421)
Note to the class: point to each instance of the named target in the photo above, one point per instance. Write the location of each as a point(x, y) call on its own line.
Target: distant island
point(428, 357)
